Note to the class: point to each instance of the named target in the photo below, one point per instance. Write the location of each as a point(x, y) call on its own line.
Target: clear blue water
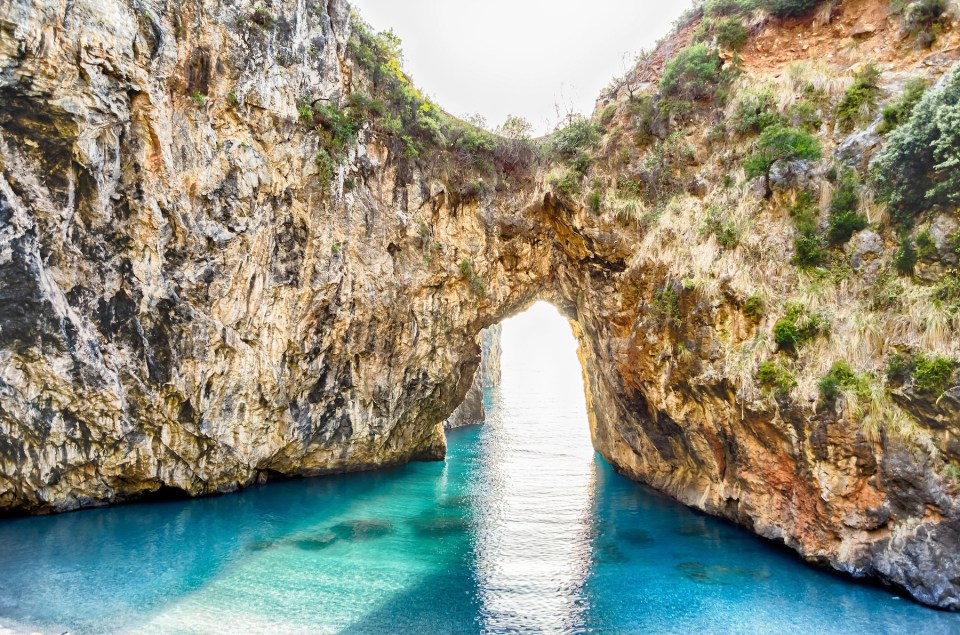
point(522, 529)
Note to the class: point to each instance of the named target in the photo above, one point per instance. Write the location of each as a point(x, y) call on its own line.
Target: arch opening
point(534, 533)
point(534, 351)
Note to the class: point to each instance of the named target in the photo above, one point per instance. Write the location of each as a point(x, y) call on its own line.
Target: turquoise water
point(522, 529)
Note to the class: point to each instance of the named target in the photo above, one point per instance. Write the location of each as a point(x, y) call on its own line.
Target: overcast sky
point(519, 57)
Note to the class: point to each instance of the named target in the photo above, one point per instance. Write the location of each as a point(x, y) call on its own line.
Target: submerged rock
point(440, 526)
point(355, 530)
point(317, 543)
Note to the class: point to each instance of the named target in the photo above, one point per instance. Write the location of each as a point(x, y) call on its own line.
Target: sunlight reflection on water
point(533, 544)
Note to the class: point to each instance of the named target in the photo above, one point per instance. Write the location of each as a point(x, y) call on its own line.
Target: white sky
point(519, 57)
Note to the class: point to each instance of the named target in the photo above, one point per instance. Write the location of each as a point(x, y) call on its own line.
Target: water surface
point(522, 529)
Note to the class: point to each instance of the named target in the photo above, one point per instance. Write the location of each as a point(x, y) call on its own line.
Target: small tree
point(515, 128)
point(778, 143)
point(918, 168)
point(693, 74)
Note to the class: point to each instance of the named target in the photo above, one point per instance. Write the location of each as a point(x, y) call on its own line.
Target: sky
point(529, 58)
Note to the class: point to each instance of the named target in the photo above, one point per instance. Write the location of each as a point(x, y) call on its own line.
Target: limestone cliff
point(210, 275)
point(486, 380)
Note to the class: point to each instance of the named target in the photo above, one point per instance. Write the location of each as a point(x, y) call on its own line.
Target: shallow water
point(522, 529)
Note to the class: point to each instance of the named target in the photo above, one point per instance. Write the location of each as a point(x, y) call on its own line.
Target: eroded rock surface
point(487, 379)
point(185, 303)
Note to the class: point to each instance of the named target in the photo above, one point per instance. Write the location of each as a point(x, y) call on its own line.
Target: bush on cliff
point(779, 8)
point(575, 143)
point(692, 74)
point(844, 217)
point(932, 375)
point(919, 169)
point(779, 144)
point(774, 377)
point(898, 113)
point(790, 8)
point(414, 127)
point(860, 100)
point(728, 33)
point(922, 20)
point(798, 327)
point(841, 376)
point(808, 248)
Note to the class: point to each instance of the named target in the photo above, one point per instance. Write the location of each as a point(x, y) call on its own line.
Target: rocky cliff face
point(189, 300)
point(487, 379)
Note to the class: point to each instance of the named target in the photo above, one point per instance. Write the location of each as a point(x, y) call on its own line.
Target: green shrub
point(665, 306)
point(926, 247)
point(790, 8)
point(198, 98)
point(326, 165)
point(473, 281)
point(804, 116)
point(756, 112)
point(905, 260)
point(568, 185)
point(777, 144)
point(779, 8)
point(413, 126)
point(808, 249)
point(899, 368)
point(693, 73)
point(729, 32)
point(773, 376)
point(729, 7)
point(842, 376)
point(947, 293)
point(860, 100)
point(595, 201)
point(754, 308)
point(951, 471)
point(844, 218)
point(898, 113)
point(575, 143)
point(725, 231)
point(918, 168)
point(932, 375)
point(798, 327)
point(305, 111)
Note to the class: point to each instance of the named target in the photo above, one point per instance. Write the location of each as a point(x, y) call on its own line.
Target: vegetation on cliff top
point(416, 131)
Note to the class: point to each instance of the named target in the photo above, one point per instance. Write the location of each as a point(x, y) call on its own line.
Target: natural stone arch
point(187, 304)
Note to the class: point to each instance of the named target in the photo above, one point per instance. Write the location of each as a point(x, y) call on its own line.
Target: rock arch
point(185, 304)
